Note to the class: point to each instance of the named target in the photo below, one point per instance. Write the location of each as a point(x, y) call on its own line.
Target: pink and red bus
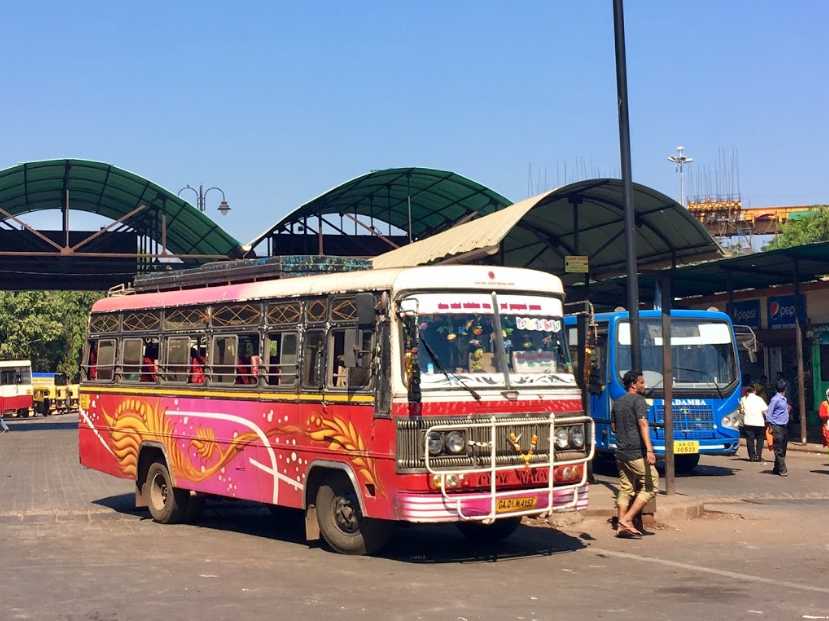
point(427, 394)
point(15, 387)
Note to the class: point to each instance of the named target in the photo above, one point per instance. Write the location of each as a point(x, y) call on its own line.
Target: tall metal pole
point(630, 219)
point(798, 332)
point(680, 160)
point(668, 382)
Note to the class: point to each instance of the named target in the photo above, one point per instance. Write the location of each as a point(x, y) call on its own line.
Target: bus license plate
point(522, 503)
point(686, 447)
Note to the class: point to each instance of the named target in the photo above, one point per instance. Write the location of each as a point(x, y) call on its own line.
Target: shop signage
point(746, 313)
point(783, 309)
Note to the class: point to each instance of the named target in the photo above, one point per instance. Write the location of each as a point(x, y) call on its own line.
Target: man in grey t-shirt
point(638, 478)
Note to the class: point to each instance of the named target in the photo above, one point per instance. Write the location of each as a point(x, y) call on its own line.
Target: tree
point(813, 227)
point(47, 327)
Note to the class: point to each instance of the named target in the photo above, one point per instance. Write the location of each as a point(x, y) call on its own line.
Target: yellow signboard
point(575, 264)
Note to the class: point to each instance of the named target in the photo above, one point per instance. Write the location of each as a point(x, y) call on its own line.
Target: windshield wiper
point(716, 385)
point(434, 358)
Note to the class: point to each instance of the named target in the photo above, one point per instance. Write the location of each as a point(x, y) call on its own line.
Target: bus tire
point(341, 521)
point(167, 504)
point(489, 533)
point(685, 464)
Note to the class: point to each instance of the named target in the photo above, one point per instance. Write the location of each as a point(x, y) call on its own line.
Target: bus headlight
point(732, 420)
point(577, 436)
point(435, 442)
point(562, 436)
point(455, 442)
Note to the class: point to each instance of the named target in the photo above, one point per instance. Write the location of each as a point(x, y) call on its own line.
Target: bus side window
point(149, 361)
point(247, 367)
point(198, 357)
point(106, 360)
point(281, 358)
point(177, 359)
point(339, 376)
point(132, 351)
point(223, 359)
point(91, 366)
point(312, 350)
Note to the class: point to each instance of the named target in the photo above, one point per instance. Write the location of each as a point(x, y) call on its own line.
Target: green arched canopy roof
point(439, 199)
point(112, 192)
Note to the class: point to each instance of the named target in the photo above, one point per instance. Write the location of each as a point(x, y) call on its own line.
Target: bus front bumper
point(436, 507)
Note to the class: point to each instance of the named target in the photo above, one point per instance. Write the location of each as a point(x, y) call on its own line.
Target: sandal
point(626, 533)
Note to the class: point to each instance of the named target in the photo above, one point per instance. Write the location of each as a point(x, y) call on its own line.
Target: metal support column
point(798, 338)
point(320, 243)
point(630, 219)
point(668, 382)
point(729, 284)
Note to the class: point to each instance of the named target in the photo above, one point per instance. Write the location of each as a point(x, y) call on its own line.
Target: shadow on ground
point(411, 543)
point(32, 425)
point(607, 467)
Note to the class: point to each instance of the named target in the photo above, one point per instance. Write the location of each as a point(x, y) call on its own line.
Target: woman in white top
point(754, 423)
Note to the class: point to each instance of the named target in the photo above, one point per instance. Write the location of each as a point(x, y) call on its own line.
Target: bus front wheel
point(342, 523)
point(685, 464)
point(166, 503)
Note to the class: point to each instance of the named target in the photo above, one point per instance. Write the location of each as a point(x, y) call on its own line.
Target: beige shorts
point(636, 478)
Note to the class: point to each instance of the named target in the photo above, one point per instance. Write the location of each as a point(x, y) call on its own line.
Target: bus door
point(598, 379)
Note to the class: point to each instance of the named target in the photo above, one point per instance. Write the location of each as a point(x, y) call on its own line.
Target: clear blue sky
point(276, 102)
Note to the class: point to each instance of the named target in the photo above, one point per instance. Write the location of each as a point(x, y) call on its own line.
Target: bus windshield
point(702, 353)
point(459, 340)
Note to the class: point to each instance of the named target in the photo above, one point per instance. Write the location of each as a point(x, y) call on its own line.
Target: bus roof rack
point(247, 270)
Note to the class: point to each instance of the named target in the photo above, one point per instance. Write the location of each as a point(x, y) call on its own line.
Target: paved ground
point(745, 560)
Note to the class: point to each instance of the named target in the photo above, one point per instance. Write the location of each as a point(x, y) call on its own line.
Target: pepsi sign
point(746, 313)
point(783, 310)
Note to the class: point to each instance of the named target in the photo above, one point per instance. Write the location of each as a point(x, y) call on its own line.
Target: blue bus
point(706, 382)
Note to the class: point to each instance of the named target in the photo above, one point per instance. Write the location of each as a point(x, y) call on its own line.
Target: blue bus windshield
point(702, 351)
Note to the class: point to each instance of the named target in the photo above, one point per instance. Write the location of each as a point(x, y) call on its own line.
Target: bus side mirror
point(365, 309)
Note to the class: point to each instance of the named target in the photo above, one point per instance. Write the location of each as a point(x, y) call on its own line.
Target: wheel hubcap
point(345, 514)
point(159, 491)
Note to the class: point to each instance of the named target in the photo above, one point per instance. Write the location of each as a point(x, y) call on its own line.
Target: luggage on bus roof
point(248, 270)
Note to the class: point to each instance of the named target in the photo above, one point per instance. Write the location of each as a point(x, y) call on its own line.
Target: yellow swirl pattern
point(342, 436)
point(136, 421)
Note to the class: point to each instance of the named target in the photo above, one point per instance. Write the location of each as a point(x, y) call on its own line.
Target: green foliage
point(47, 327)
point(806, 230)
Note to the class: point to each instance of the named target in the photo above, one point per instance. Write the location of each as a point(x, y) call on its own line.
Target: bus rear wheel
point(341, 520)
point(167, 504)
point(685, 464)
point(489, 533)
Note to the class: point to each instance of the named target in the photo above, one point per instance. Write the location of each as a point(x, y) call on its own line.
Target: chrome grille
point(411, 441)
point(692, 421)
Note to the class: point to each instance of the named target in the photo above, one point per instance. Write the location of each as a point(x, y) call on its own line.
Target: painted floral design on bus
point(342, 436)
point(198, 455)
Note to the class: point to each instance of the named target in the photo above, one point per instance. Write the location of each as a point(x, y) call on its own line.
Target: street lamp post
point(201, 197)
point(680, 161)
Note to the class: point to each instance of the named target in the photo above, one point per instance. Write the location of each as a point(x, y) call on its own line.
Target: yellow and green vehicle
point(52, 394)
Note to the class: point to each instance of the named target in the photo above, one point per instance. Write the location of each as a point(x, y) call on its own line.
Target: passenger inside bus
point(149, 363)
point(247, 366)
point(92, 361)
point(196, 367)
